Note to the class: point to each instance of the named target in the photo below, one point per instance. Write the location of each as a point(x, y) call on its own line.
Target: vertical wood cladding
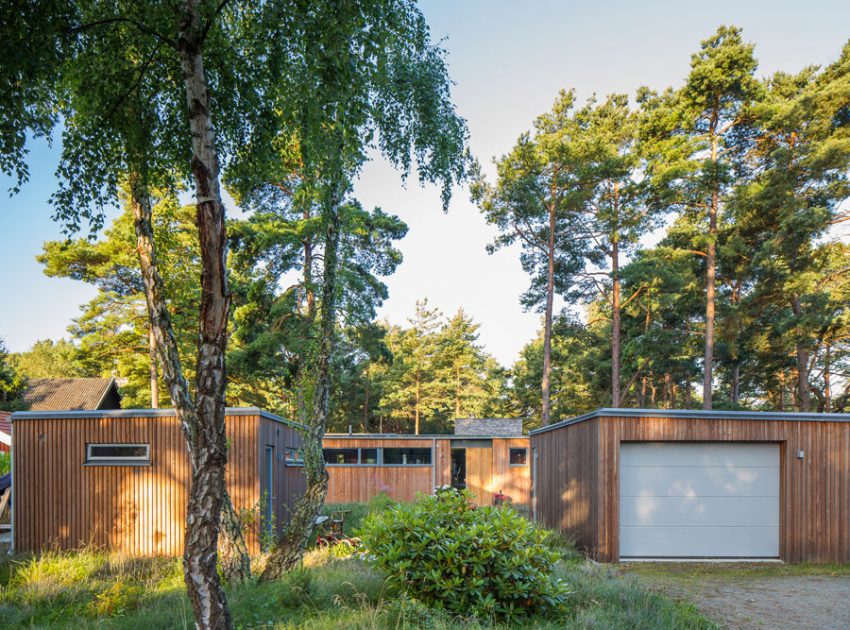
point(138, 510)
point(488, 470)
point(579, 467)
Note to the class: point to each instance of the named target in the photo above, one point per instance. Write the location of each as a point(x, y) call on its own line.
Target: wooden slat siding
point(514, 481)
point(137, 510)
point(444, 463)
point(567, 481)
point(359, 484)
point(290, 481)
point(814, 491)
point(479, 475)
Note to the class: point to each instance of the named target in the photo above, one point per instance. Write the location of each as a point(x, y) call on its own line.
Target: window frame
point(136, 460)
point(524, 449)
point(407, 448)
point(336, 448)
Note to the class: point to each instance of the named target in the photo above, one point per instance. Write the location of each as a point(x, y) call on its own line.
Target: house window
point(368, 456)
point(294, 455)
point(519, 457)
point(340, 455)
point(118, 453)
point(407, 456)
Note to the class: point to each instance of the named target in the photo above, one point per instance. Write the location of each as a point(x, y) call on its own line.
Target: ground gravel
point(787, 602)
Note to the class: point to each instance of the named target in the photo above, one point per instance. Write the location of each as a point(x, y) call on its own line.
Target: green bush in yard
point(486, 561)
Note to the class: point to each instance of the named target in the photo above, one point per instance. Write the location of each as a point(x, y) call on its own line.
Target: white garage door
point(699, 500)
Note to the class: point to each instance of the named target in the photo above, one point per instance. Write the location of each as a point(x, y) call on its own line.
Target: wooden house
point(654, 484)
point(485, 457)
point(120, 479)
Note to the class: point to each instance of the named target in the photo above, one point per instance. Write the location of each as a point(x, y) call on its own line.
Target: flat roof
point(421, 436)
point(142, 413)
point(697, 414)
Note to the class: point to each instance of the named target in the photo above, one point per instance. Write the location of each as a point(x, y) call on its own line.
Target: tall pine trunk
point(290, 548)
point(827, 379)
point(803, 387)
point(710, 279)
point(208, 447)
point(615, 323)
point(547, 319)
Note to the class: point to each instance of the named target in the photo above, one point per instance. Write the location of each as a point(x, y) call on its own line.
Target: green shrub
point(486, 561)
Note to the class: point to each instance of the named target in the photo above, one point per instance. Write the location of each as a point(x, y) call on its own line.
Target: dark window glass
point(118, 452)
point(407, 456)
point(519, 456)
point(340, 455)
point(368, 456)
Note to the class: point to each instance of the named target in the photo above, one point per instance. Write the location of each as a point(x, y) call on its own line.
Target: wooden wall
point(488, 471)
point(139, 510)
point(290, 482)
point(567, 482)
point(359, 484)
point(814, 491)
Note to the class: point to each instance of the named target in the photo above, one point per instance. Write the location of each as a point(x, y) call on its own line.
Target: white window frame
point(134, 459)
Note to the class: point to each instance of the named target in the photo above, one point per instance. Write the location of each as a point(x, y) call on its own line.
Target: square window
point(519, 457)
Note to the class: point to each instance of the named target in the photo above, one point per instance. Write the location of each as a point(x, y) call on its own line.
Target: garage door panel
point(696, 542)
point(690, 500)
point(714, 454)
point(699, 511)
point(689, 481)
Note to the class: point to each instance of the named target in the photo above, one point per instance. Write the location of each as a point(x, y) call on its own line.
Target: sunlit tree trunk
point(710, 280)
point(547, 323)
point(208, 447)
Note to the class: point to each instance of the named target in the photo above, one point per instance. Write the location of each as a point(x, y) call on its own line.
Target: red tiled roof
point(5, 423)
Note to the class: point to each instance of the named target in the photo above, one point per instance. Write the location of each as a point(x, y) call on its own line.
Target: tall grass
point(94, 589)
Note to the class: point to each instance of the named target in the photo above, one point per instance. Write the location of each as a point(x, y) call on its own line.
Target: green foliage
point(5, 462)
point(13, 383)
point(90, 589)
point(490, 562)
point(437, 372)
point(51, 359)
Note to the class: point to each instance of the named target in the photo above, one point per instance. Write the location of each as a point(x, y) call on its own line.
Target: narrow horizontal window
point(519, 457)
point(340, 455)
point(368, 456)
point(407, 456)
point(118, 453)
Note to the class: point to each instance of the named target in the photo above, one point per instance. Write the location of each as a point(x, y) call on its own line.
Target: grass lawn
point(732, 570)
point(97, 590)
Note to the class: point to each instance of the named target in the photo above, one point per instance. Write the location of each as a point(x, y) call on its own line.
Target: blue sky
point(508, 59)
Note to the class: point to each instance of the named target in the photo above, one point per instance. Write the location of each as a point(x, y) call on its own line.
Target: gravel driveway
point(802, 602)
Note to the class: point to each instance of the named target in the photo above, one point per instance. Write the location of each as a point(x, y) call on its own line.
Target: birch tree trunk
point(290, 548)
point(207, 442)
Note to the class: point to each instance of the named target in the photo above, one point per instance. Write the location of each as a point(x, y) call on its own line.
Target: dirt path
point(787, 602)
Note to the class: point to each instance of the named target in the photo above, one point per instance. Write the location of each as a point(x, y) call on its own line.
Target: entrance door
point(699, 500)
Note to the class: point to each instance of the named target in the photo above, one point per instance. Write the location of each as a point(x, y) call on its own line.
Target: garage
point(699, 500)
point(668, 484)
